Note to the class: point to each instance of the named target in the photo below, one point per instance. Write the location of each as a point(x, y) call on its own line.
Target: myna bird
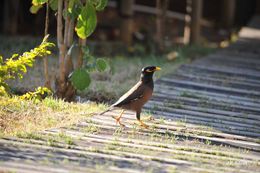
point(137, 96)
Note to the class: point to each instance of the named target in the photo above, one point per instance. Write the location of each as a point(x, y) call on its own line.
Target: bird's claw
point(122, 125)
point(142, 124)
point(149, 118)
point(118, 121)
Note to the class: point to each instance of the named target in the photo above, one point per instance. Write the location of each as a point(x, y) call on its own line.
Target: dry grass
point(25, 116)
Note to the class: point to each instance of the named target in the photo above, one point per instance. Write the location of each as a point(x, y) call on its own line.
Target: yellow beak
point(157, 68)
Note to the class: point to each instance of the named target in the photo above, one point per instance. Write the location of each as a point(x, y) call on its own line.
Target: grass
point(91, 128)
point(25, 116)
point(67, 139)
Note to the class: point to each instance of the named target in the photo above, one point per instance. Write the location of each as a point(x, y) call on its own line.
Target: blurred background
point(131, 21)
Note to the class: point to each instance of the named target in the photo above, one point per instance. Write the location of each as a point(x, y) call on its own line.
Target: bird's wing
point(134, 93)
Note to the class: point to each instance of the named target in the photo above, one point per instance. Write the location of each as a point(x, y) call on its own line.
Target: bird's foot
point(118, 121)
point(142, 124)
point(122, 125)
point(149, 118)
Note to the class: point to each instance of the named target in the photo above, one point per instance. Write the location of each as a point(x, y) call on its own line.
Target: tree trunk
point(11, 15)
point(159, 34)
point(126, 28)
point(82, 43)
point(6, 16)
point(61, 45)
point(162, 6)
point(60, 82)
point(186, 37)
point(69, 42)
point(45, 59)
point(228, 13)
point(257, 8)
point(196, 14)
point(64, 88)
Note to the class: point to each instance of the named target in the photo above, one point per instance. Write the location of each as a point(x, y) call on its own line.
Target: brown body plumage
point(138, 95)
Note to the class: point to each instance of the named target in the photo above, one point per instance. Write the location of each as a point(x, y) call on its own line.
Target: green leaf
point(90, 67)
point(90, 59)
point(112, 67)
point(86, 22)
point(85, 50)
point(80, 79)
point(75, 11)
point(23, 68)
point(101, 64)
point(53, 4)
point(38, 2)
point(71, 5)
point(74, 8)
point(101, 5)
point(34, 9)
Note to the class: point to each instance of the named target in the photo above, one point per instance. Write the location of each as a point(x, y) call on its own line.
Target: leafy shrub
point(16, 66)
point(37, 95)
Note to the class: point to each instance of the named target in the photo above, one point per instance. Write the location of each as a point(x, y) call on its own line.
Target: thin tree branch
point(68, 59)
point(61, 45)
point(71, 31)
point(45, 59)
point(82, 43)
point(59, 23)
point(67, 22)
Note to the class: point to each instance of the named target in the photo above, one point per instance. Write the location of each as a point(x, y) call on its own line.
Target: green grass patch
point(26, 116)
point(91, 128)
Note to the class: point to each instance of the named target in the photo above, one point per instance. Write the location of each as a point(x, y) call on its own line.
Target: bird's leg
point(140, 121)
point(119, 117)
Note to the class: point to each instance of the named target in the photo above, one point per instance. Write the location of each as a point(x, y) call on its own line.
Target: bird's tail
point(109, 109)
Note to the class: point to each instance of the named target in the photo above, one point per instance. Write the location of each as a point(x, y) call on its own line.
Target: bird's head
point(147, 72)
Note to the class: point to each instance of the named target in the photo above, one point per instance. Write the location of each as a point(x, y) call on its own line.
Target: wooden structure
point(196, 15)
point(162, 7)
point(126, 29)
point(193, 18)
point(228, 13)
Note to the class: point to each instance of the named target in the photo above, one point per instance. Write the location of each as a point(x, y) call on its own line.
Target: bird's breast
point(147, 94)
